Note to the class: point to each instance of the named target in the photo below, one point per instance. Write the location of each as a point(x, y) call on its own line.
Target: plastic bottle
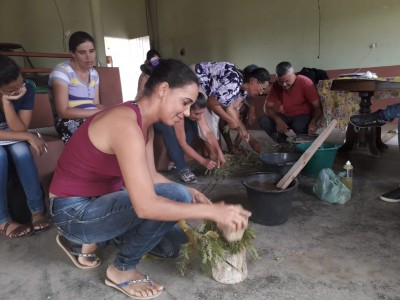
point(347, 179)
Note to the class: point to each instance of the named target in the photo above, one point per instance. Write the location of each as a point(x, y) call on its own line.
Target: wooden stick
point(299, 165)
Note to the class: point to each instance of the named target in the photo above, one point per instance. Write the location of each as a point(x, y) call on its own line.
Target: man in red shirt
point(293, 103)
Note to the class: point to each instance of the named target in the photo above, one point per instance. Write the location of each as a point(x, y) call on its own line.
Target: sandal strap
point(75, 249)
point(85, 255)
point(16, 231)
point(8, 223)
point(146, 279)
point(40, 220)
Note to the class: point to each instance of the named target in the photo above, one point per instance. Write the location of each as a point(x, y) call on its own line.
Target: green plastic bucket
point(322, 158)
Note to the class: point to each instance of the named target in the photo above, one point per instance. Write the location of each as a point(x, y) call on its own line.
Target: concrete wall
point(37, 25)
point(267, 32)
point(241, 31)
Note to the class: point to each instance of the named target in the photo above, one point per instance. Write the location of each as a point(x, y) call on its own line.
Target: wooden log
point(233, 269)
point(299, 165)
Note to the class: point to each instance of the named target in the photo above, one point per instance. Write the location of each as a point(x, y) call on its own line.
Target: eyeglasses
point(14, 92)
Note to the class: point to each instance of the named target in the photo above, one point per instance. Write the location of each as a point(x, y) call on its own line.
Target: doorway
point(128, 55)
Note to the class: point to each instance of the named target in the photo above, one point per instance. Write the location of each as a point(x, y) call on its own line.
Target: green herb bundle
point(209, 243)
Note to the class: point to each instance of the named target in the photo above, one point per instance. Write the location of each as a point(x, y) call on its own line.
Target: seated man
point(177, 140)
point(293, 103)
point(375, 119)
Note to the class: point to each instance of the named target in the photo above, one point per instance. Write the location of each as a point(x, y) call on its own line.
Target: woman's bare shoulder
point(116, 119)
point(122, 111)
point(114, 126)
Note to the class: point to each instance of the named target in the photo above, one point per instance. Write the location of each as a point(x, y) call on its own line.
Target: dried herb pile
point(236, 162)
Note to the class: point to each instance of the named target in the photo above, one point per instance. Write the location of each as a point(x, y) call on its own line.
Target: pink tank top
point(84, 171)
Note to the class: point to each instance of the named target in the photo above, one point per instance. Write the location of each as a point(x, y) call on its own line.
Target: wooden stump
point(233, 269)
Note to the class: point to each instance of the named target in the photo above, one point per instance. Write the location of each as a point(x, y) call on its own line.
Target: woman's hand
point(209, 164)
point(37, 143)
point(198, 197)
point(244, 134)
point(10, 98)
point(234, 217)
point(221, 160)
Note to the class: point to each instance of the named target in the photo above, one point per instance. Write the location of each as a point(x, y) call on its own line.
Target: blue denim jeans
point(390, 113)
point(174, 151)
point(86, 220)
point(299, 124)
point(28, 175)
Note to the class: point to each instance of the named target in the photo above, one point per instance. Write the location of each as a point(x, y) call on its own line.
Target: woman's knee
point(173, 191)
point(20, 150)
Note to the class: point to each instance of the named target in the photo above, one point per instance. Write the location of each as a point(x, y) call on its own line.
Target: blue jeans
point(299, 124)
point(174, 151)
point(86, 220)
point(28, 175)
point(390, 113)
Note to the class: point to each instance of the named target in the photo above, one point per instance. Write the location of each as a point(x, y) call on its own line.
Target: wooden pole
point(299, 165)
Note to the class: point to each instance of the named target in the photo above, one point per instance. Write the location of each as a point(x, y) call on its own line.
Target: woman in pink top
point(115, 147)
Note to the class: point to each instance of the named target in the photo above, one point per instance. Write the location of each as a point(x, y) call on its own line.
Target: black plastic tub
point(268, 204)
point(279, 163)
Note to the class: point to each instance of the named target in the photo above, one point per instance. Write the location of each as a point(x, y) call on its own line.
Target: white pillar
point(98, 34)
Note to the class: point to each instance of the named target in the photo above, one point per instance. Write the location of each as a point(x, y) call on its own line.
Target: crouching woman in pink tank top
point(113, 148)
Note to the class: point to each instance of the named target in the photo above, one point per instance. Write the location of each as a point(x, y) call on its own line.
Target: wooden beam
point(36, 54)
point(36, 70)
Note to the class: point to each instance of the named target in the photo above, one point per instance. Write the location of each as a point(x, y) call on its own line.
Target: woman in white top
point(74, 86)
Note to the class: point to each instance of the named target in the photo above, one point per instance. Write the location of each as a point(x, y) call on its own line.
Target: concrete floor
point(323, 251)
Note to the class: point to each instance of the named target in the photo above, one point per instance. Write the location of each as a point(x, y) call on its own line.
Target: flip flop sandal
point(17, 231)
point(119, 286)
point(73, 252)
point(42, 223)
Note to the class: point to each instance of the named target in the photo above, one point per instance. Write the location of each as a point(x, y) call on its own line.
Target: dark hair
point(148, 65)
point(283, 68)
point(151, 53)
point(172, 71)
point(78, 38)
point(201, 102)
point(253, 71)
point(9, 70)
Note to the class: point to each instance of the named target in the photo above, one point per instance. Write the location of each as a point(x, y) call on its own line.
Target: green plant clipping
point(211, 246)
point(236, 162)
